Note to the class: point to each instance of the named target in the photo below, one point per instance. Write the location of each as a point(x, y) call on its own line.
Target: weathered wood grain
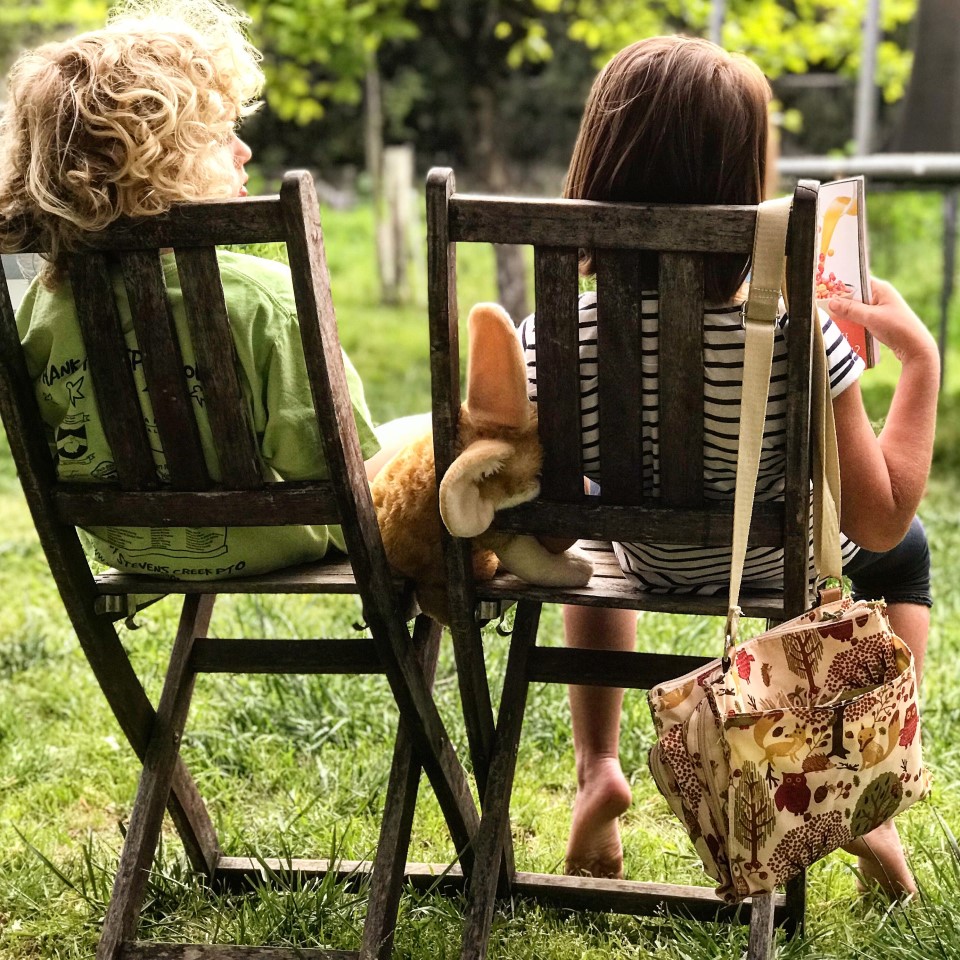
point(681, 380)
point(218, 368)
point(558, 372)
point(143, 829)
point(801, 256)
point(239, 498)
point(446, 398)
point(592, 225)
point(162, 359)
point(111, 373)
point(301, 501)
point(619, 375)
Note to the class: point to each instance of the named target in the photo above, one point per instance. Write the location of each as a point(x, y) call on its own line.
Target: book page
point(841, 269)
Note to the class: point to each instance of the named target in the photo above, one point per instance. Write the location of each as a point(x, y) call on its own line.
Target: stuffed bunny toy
point(497, 466)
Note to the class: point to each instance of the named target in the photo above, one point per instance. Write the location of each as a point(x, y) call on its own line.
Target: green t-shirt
point(259, 298)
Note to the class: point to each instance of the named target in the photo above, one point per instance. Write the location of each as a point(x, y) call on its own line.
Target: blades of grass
point(56, 871)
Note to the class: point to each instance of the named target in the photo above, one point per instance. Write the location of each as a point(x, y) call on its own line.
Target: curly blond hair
point(125, 120)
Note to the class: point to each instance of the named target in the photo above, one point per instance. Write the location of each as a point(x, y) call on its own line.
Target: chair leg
point(160, 761)
point(478, 714)
point(761, 927)
point(495, 817)
point(398, 812)
point(796, 897)
point(136, 716)
point(425, 727)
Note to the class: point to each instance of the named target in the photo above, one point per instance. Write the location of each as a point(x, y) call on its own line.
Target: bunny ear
point(464, 512)
point(496, 371)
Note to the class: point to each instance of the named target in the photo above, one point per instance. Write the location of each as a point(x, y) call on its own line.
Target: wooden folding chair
point(626, 240)
point(241, 497)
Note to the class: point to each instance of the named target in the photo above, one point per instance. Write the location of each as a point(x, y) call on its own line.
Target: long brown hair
point(675, 120)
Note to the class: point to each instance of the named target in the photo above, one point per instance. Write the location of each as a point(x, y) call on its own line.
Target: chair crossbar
point(144, 950)
point(313, 656)
point(256, 220)
point(591, 518)
point(291, 502)
point(609, 668)
point(589, 224)
point(627, 897)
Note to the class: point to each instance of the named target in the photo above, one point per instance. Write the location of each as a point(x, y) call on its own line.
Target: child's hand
point(892, 322)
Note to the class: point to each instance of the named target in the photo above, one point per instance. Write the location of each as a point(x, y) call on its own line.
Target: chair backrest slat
point(162, 359)
point(108, 358)
point(217, 368)
point(681, 379)
point(558, 370)
point(334, 410)
point(796, 494)
point(619, 371)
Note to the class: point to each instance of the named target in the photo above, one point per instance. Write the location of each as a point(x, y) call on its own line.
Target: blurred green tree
point(326, 51)
point(30, 22)
point(782, 36)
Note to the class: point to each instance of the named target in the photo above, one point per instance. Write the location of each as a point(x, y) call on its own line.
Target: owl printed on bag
point(793, 794)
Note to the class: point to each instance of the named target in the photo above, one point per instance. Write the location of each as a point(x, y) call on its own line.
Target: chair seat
point(610, 588)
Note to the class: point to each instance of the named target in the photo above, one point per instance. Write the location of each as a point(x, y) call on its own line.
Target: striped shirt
point(672, 568)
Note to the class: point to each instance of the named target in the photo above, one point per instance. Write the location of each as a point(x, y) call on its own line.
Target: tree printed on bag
point(803, 651)
point(877, 804)
point(872, 661)
point(754, 816)
point(837, 749)
point(807, 843)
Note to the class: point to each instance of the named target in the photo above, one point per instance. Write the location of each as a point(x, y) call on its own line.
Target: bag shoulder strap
point(760, 317)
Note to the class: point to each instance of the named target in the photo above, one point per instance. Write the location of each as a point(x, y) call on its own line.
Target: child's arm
point(883, 477)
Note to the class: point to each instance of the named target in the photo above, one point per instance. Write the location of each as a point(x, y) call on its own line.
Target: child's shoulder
point(247, 277)
point(257, 268)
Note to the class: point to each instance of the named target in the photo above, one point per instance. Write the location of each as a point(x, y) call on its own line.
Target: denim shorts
point(900, 575)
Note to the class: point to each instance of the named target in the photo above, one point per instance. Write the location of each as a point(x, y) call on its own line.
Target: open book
point(842, 269)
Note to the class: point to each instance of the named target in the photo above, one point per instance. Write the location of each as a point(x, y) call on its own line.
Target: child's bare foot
point(882, 863)
point(594, 847)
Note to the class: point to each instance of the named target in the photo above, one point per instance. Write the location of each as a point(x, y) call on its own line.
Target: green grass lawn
point(291, 766)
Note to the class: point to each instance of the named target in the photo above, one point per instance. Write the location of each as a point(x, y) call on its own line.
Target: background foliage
point(467, 79)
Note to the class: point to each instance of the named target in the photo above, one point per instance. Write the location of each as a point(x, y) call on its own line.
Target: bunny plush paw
point(530, 560)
